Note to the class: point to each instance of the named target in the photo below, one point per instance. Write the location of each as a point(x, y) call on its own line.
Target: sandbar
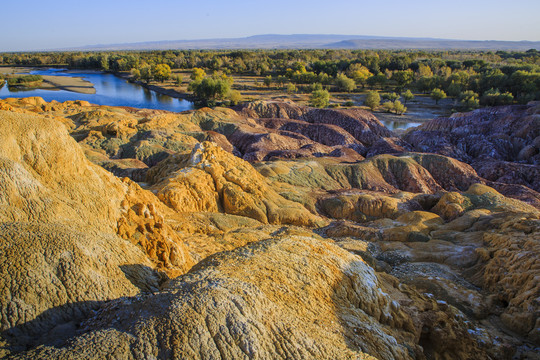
point(51, 82)
point(74, 84)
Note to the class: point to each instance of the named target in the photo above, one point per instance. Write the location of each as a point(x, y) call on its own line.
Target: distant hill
point(429, 44)
point(305, 41)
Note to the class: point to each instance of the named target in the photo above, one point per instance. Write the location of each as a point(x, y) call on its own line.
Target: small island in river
point(52, 82)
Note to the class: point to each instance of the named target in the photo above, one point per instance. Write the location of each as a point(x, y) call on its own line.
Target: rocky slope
point(315, 252)
point(501, 143)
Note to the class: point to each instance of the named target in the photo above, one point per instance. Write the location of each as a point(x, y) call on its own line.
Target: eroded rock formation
point(315, 252)
point(501, 143)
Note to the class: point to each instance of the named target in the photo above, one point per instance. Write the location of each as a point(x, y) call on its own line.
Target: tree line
point(474, 78)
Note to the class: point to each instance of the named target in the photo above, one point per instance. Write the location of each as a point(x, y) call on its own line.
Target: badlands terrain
point(267, 231)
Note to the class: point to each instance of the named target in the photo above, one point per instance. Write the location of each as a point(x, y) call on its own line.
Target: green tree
point(454, 89)
point(437, 94)
point(423, 71)
point(403, 77)
point(136, 73)
point(291, 88)
point(268, 81)
point(376, 80)
point(319, 98)
point(390, 96)
point(344, 83)
point(315, 87)
point(234, 97)
point(179, 79)
point(210, 89)
point(373, 100)
point(281, 80)
point(104, 62)
point(399, 108)
point(426, 84)
point(493, 97)
point(469, 100)
point(359, 73)
point(407, 95)
point(506, 98)
point(388, 106)
point(146, 73)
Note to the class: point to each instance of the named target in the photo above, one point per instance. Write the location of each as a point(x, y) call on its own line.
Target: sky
point(40, 25)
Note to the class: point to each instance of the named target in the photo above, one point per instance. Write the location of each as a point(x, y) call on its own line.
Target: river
point(110, 90)
point(115, 91)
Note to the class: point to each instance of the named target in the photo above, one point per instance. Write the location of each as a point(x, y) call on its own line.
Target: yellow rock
point(236, 187)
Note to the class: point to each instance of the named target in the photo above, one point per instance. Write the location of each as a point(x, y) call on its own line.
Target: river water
point(114, 91)
point(110, 90)
point(393, 125)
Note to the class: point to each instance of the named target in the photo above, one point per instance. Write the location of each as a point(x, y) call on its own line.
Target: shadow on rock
point(52, 327)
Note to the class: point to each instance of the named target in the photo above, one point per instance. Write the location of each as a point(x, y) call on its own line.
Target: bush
point(179, 79)
point(136, 73)
point(234, 97)
point(390, 96)
point(388, 106)
point(161, 72)
point(291, 88)
point(407, 95)
point(197, 74)
point(493, 97)
point(349, 103)
point(210, 89)
point(469, 100)
point(373, 99)
point(454, 89)
point(437, 94)
point(343, 83)
point(319, 98)
point(24, 79)
point(399, 108)
point(315, 87)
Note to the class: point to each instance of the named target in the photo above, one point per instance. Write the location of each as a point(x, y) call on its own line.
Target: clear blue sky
point(38, 24)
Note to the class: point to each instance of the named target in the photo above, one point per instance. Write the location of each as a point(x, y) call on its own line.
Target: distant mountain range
point(303, 41)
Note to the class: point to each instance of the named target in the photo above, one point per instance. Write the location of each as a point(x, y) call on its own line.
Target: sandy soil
point(75, 84)
point(13, 70)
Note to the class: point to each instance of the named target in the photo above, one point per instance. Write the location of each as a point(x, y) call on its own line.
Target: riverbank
point(54, 83)
point(156, 88)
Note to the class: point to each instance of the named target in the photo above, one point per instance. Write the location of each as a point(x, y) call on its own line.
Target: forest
point(473, 78)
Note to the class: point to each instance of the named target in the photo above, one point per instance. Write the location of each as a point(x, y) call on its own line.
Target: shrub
point(179, 79)
point(399, 108)
point(210, 89)
point(388, 106)
point(162, 72)
point(407, 95)
point(390, 96)
point(291, 88)
point(373, 99)
point(234, 97)
point(24, 79)
point(493, 97)
point(469, 100)
point(343, 83)
point(319, 98)
point(437, 94)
